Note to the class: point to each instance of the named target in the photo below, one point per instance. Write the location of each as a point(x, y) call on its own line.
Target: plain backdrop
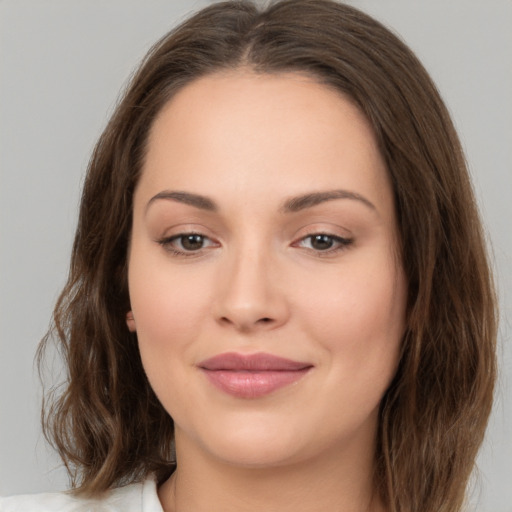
point(62, 65)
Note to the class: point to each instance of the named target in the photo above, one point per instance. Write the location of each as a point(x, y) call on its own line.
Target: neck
point(331, 482)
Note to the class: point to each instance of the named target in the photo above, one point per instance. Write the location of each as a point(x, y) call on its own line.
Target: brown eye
point(322, 242)
point(191, 242)
point(187, 244)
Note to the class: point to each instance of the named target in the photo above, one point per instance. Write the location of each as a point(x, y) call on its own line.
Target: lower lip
point(253, 384)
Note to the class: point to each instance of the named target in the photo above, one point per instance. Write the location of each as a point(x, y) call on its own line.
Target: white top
point(141, 497)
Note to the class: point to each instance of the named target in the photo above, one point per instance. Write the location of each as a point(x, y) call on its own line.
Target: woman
point(279, 296)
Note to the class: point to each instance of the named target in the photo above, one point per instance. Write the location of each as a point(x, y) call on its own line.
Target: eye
point(323, 242)
point(186, 244)
point(191, 241)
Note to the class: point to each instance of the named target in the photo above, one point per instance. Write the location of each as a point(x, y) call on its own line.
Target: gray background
point(62, 64)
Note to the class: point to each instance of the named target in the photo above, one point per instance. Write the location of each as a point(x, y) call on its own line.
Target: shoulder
point(140, 497)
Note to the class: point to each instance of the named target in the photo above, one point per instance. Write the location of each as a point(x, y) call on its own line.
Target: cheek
point(359, 318)
point(167, 310)
point(166, 305)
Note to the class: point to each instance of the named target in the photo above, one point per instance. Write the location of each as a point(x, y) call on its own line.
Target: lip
point(254, 375)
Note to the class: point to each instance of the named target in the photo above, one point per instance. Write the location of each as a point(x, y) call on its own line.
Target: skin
point(256, 281)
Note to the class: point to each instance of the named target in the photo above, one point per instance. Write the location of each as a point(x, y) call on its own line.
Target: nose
point(250, 296)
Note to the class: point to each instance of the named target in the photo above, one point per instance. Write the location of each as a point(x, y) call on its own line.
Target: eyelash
point(340, 243)
point(167, 244)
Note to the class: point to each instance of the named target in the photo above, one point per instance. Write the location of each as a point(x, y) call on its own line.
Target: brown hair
point(108, 425)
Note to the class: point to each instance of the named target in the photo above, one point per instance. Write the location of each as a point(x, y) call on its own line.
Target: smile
point(252, 376)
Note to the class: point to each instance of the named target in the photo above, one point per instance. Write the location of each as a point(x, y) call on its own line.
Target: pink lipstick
point(254, 375)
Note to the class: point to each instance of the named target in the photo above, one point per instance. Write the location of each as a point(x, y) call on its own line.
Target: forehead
point(257, 104)
point(249, 131)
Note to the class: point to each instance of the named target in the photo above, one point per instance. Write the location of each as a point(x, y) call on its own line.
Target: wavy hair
point(106, 421)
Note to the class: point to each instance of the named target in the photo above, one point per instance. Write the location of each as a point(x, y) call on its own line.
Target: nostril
point(246, 324)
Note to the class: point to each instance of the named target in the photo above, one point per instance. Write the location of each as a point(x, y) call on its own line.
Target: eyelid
point(341, 242)
point(336, 238)
point(167, 243)
point(175, 230)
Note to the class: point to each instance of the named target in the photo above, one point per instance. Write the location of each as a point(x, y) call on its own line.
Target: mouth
point(252, 376)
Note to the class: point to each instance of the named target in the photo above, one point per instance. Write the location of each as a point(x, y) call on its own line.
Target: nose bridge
point(249, 295)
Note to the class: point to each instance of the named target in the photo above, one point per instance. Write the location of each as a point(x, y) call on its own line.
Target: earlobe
point(130, 322)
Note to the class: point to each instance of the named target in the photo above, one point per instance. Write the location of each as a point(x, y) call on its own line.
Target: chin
point(252, 441)
point(257, 453)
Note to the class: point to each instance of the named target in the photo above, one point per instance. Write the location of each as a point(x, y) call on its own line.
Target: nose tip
point(249, 299)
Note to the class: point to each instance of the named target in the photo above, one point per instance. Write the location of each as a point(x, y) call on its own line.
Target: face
point(266, 290)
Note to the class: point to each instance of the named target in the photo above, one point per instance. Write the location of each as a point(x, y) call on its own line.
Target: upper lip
point(262, 362)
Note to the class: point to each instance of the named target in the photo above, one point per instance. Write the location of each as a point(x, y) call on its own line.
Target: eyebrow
point(299, 203)
point(196, 200)
point(294, 204)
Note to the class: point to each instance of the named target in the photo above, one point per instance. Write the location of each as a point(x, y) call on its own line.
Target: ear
point(130, 322)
